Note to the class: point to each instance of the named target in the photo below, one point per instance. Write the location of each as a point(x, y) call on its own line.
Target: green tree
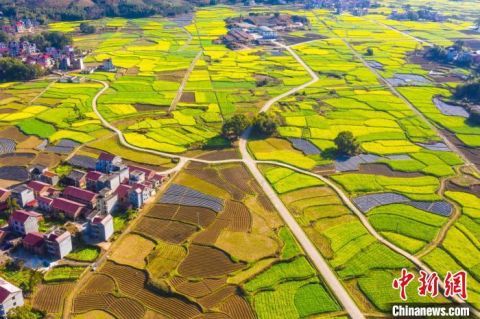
point(24, 312)
point(87, 28)
point(233, 127)
point(369, 52)
point(346, 144)
point(15, 70)
point(265, 124)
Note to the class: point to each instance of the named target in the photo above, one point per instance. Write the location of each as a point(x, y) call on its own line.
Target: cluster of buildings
point(21, 26)
point(88, 199)
point(260, 29)
point(64, 59)
point(356, 7)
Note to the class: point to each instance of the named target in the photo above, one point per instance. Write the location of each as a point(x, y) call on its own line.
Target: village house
point(92, 178)
point(69, 208)
point(108, 163)
point(23, 194)
point(111, 181)
point(108, 66)
point(139, 194)
point(123, 195)
point(58, 243)
point(76, 178)
point(36, 171)
point(24, 222)
point(107, 201)
point(34, 242)
point(10, 297)
point(45, 203)
point(39, 188)
point(50, 178)
point(100, 227)
point(82, 196)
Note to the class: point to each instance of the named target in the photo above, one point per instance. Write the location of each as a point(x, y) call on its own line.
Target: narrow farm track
point(55, 80)
point(177, 98)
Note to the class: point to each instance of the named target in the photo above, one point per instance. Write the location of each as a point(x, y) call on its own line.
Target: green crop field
point(412, 158)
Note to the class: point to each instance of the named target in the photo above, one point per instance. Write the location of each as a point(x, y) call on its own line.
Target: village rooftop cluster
point(88, 200)
point(260, 29)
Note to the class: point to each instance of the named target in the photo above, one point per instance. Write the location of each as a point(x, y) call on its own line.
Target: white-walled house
point(10, 297)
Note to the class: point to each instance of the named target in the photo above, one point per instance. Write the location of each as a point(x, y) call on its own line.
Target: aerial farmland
point(295, 159)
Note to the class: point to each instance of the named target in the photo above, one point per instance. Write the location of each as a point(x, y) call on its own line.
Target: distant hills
point(69, 10)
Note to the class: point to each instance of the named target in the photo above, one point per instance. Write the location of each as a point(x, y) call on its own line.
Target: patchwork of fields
point(183, 261)
point(213, 245)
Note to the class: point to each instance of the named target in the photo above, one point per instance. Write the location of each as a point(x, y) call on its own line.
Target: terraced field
point(221, 265)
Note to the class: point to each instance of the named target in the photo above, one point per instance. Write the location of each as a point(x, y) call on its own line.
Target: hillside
point(92, 9)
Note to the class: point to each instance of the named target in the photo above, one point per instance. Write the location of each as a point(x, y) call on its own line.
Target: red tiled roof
point(58, 237)
point(67, 206)
point(78, 193)
point(4, 294)
point(94, 175)
point(44, 199)
point(22, 215)
point(4, 193)
point(38, 186)
point(33, 239)
point(122, 190)
point(106, 157)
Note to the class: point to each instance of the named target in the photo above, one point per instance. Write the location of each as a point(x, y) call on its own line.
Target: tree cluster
point(441, 54)
point(53, 39)
point(263, 125)
point(87, 28)
point(15, 70)
point(469, 92)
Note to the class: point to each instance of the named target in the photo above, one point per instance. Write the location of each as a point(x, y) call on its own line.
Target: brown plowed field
point(126, 308)
point(203, 261)
point(239, 176)
point(211, 175)
point(195, 215)
point(132, 283)
point(237, 307)
point(238, 215)
point(50, 298)
point(197, 289)
point(163, 211)
point(215, 298)
point(99, 283)
point(210, 235)
point(171, 231)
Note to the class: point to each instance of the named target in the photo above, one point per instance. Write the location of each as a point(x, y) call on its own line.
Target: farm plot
point(224, 250)
point(50, 298)
point(368, 202)
point(352, 252)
